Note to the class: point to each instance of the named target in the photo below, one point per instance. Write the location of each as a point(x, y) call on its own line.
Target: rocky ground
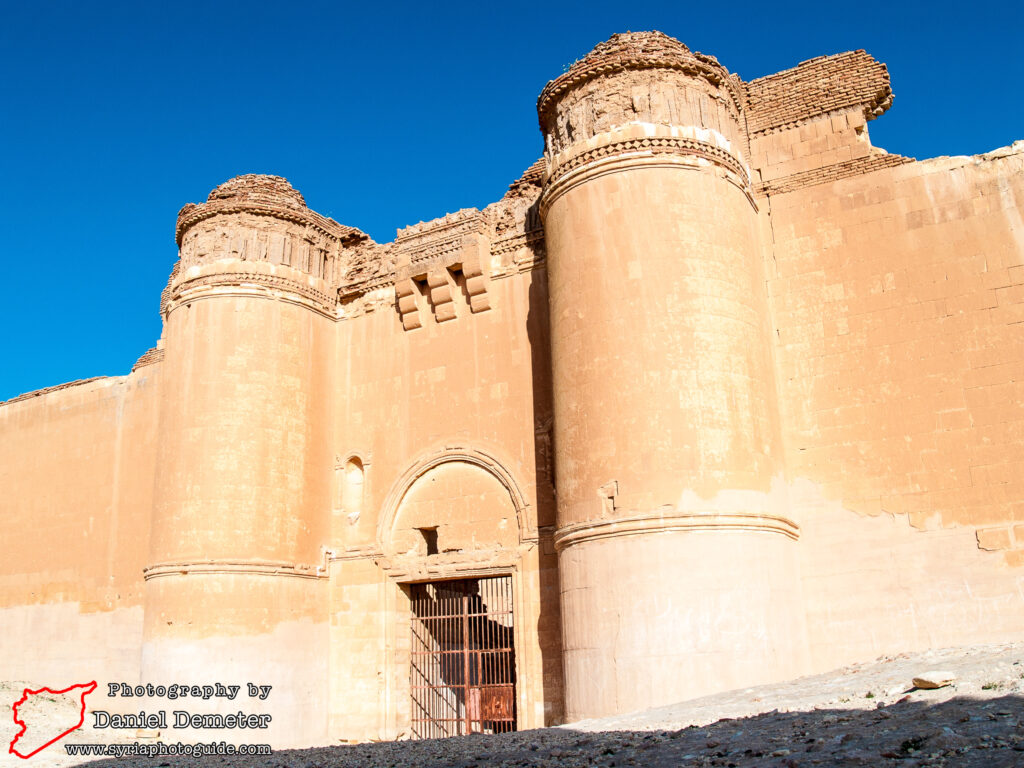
point(862, 715)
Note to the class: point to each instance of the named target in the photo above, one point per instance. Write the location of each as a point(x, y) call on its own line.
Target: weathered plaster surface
point(729, 393)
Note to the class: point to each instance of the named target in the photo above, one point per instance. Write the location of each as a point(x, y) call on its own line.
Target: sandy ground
point(861, 715)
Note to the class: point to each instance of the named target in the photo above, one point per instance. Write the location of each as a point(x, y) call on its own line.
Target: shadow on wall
point(962, 732)
point(549, 623)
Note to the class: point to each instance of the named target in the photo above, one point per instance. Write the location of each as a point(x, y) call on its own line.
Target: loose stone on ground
point(862, 715)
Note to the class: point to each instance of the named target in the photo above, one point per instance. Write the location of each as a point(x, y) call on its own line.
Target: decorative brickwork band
point(635, 151)
point(438, 242)
point(531, 239)
point(258, 284)
point(653, 145)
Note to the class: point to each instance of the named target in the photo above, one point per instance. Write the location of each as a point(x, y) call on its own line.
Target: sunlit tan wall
point(76, 473)
point(662, 387)
point(245, 417)
point(659, 342)
point(236, 585)
point(443, 418)
point(677, 558)
point(898, 302)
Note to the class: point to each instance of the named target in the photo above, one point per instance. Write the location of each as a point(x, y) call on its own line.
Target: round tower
point(676, 554)
point(234, 588)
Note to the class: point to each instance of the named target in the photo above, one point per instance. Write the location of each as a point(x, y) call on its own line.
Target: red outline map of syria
point(86, 688)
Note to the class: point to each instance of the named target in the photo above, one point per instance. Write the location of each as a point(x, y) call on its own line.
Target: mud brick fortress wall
point(728, 393)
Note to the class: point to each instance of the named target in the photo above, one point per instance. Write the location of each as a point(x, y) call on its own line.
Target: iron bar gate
point(463, 673)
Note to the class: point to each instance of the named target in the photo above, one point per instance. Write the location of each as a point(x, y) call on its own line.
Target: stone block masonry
point(723, 393)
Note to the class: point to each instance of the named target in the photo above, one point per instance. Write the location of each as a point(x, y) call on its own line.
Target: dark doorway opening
point(463, 671)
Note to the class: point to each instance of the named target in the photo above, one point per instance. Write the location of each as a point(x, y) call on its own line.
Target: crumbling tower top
point(259, 188)
point(630, 51)
point(262, 195)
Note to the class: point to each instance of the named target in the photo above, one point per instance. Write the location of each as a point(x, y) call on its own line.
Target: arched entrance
point(450, 534)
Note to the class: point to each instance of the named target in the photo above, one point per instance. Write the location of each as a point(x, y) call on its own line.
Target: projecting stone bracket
point(442, 285)
point(476, 251)
point(408, 308)
point(607, 494)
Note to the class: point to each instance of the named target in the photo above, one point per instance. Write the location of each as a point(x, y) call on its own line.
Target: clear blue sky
point(113, 115)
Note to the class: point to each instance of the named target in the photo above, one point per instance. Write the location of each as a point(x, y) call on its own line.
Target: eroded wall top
point(264, 195)
point(638, 77)
point(816, 87)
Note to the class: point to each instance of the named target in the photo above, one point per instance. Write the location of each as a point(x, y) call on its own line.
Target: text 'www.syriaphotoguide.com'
point(159, 749)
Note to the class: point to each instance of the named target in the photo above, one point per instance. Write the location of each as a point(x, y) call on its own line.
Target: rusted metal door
point(463, 671)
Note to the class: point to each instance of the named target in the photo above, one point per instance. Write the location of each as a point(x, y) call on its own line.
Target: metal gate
point(463, 670)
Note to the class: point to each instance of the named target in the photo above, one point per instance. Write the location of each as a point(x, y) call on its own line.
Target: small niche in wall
point(352, 489)
point(429, 539)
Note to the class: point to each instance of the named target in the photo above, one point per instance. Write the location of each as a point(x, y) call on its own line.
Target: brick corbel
point(441, 285)
point(475, 268)
point(408, 310)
